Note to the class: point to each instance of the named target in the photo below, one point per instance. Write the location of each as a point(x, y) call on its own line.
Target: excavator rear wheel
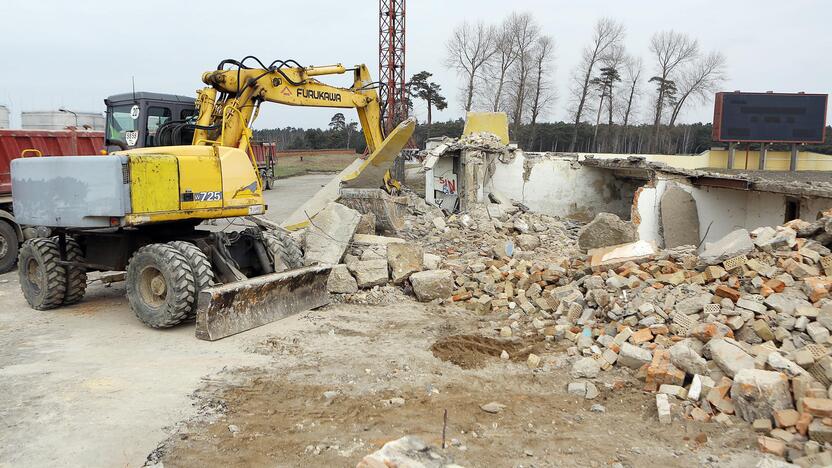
point(161, 287)
point(285, 252)
point(201, 266)
point(42, 278)
point(76, 276)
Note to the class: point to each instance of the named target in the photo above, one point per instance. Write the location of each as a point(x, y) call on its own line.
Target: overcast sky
point(74, 53)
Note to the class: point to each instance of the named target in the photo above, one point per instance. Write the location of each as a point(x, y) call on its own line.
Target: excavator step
point(236, 307)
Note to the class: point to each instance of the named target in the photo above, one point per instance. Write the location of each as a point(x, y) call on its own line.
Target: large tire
point(76, 277)
point(9, 247)
point(160, 285)
point(201, 267)
point(285, 252)
point(42, 278)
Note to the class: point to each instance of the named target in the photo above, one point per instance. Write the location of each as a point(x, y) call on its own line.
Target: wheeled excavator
point(139, 210)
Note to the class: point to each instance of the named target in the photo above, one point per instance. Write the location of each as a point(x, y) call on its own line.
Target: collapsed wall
point(670, 206)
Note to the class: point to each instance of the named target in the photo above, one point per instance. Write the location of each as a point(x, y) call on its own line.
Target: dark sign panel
point(770, 117)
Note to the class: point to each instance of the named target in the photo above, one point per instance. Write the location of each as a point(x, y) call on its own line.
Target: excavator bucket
point(389, 210)
point(361, 174)
point(242, 305)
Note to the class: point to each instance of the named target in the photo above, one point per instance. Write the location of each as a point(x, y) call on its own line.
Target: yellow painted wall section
point(775, 160)
point(154, 183)
point(202, 177)
point(491, 122)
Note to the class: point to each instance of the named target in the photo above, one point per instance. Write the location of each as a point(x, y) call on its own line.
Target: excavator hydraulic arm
point(227, 120)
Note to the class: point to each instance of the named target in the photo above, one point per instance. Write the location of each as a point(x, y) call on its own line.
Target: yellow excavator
point(139, 209)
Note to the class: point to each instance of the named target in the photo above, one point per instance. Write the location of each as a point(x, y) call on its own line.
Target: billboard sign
point(770, 117)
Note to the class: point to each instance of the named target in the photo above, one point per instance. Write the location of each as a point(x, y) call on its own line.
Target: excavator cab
point(134, 119)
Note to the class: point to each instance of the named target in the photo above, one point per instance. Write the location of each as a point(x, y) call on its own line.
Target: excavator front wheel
point(161, 287)
point(42, 278)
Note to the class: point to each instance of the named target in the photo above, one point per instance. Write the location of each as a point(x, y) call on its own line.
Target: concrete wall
point(443, 167)
point(561, 187)
point(717, 158)
point(723, 210)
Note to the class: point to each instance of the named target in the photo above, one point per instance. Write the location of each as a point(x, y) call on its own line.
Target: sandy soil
point(278, 415)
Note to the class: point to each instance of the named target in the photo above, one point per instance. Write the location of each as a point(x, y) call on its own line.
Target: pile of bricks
point(699, 333)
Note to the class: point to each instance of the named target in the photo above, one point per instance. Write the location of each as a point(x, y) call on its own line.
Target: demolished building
point(669, 201)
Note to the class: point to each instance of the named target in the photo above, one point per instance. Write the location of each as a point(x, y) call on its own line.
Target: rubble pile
point(739, 331)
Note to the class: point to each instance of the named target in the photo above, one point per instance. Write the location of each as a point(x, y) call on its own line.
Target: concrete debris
point(408, 451)
point(404, 260)
point(759, 393)
point(432, 284)
point(738, 331)
point(327, 238)
point(369, 273)
point(340, 281)
point(732, 245)
point(605, 230)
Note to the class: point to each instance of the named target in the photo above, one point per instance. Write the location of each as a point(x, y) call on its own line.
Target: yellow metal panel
point(240, 183)
point(491, 122)
point(154, 183)
point(200, 181)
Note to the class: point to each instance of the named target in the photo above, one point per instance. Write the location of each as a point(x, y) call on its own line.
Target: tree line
point(509, 66)
point(543, 136)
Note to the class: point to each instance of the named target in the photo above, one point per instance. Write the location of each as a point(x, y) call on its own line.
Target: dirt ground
point(327, 398)
point(88, 385)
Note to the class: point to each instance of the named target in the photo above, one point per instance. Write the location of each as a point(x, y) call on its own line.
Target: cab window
point(120, 122)
point(187, 114)
point(156, 117)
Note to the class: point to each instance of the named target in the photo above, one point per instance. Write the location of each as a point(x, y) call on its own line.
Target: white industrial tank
point(56, 120)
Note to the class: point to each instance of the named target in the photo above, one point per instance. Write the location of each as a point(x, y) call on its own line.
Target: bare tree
point(542, 90)
point(468, 50)
point(497, 69)
point(698, 81)
point(525, 32)
point(607, 33)
point(632, 77)
point(671, 50)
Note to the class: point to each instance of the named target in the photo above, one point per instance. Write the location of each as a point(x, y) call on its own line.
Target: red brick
point(725, 291)
point(821, 407)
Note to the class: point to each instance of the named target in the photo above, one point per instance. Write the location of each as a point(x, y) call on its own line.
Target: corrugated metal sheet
point(48, 142)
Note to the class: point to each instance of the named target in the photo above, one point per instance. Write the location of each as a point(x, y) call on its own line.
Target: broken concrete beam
point(367, 239)
point(329, 234)
point(614, 256)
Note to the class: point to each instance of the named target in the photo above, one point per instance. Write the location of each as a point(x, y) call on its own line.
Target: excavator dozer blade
point(236, 307)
